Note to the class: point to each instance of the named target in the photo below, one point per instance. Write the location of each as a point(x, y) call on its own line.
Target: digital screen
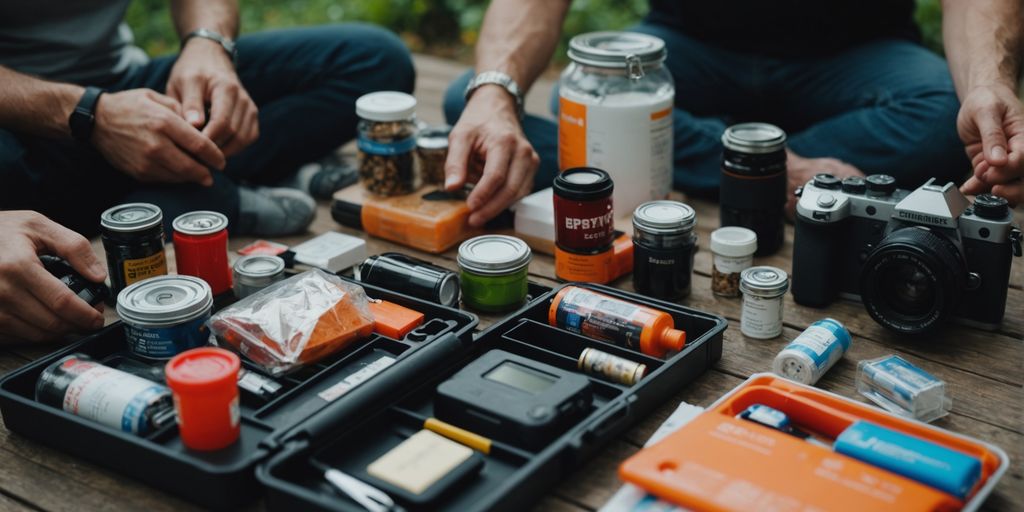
point(521, 377)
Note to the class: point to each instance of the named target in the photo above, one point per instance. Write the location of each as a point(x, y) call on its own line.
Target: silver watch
point(497, 78)
point(224, 41)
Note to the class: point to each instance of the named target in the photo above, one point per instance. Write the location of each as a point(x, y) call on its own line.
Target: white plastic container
point(732, 252)
point(615, 113)
point(763, 290)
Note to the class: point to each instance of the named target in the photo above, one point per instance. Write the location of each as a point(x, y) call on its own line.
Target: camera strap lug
point(1016, 238)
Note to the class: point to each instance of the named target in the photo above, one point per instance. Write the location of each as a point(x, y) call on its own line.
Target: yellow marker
point(474, 441)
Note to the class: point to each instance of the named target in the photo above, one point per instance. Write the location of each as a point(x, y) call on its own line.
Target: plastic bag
point(295, 322)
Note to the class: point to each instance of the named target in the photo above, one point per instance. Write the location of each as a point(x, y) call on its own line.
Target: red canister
point(583, 210)
point(201, 248)
point(204, 382)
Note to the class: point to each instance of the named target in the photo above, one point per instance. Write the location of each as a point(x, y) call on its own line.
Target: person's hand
point(34, 305)
point(204, 76)
point(142, 133)
point(489, 131)
point(991, 125)
point(800, 170)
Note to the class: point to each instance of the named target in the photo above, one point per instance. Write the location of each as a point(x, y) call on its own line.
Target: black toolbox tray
point(225, 478)
point(513, 477)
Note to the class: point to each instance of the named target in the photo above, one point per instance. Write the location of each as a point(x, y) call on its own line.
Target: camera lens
point(913, 280)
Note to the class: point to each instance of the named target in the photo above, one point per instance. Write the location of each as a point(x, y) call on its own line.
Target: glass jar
point(615, 113)
point(387, 140)
point(732, 252)
point(663, 249)
point(432, 150)
point(764, 289)
point(493, 272)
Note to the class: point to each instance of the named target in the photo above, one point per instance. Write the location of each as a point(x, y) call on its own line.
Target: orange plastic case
point(424, 220)
point(719, 462)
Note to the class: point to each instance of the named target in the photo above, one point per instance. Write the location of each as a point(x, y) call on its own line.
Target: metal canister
point(411, 276)
point(166, 315)
point(663, 248)
point(133, 239)
point(255, 272)
point(614, 368)
point(763, 291)
point(201, 248)
point(99, 393)
point(753, 187)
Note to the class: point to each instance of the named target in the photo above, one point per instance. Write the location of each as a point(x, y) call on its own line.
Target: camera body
point(914, 258)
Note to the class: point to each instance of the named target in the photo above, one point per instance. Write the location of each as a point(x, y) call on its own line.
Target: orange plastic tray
point(719, 462)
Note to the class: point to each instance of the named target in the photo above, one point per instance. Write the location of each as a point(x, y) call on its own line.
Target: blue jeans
point(305, 82)
point(885, 107)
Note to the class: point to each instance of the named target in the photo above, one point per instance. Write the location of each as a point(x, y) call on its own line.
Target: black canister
point(753, 188)
point(133, 239)
point(663, 249)
point(416, 278)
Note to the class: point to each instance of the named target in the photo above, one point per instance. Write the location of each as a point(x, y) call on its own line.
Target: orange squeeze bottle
point(621, 322)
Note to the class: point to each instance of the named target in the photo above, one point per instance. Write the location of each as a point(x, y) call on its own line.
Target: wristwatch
point(497, 78)
point(224, 41)
point(83, 118)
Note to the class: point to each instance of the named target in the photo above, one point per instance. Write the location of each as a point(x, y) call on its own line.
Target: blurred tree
point(447, 28)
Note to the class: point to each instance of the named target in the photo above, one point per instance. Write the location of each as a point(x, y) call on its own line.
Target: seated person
point(199, 130)
point(202, 130)
point(847, 80)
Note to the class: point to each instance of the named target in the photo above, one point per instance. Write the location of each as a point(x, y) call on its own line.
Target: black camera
point(914, 258)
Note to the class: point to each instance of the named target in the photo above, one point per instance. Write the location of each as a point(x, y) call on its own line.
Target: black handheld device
point(513, 399)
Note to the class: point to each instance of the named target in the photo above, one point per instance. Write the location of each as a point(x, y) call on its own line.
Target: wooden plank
point(15, 504)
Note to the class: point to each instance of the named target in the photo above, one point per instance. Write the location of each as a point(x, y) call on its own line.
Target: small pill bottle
point(205, 386)
point(387, 143)
point(764, 289)
point(732, 252)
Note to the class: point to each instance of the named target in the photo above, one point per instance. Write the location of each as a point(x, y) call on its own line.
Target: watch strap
point(83, 118)
point(225, 42)
point(501, 79)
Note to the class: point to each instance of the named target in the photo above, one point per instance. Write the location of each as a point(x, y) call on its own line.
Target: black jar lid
point(583, 184)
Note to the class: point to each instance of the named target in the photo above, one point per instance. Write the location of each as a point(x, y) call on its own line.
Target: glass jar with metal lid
point(764, 289)
point(387, 142)
point(663, 248)
point(432, 150)
point(133, 239)
point(165, 315)
point(753, 186)
point(255, 272)
point(493, 272)
point(615, 113)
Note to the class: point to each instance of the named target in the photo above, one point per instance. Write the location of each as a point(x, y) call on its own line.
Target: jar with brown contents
point(432, 149)
point(732, 252)
point(387, 142)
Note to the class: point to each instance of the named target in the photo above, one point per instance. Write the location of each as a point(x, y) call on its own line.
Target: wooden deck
point(985, 373)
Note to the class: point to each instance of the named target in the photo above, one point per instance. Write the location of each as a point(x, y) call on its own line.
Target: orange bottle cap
point(203, 370)
point(673, 339)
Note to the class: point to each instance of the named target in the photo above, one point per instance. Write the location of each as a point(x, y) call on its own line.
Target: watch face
point(81, 124)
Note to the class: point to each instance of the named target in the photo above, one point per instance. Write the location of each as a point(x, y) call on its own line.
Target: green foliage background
point(441, 27)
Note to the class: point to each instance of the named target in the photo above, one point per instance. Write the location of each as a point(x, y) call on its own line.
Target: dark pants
point(885, 107)
point(305, 83)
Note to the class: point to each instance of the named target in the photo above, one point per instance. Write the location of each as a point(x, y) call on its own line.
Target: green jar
point(493, 272)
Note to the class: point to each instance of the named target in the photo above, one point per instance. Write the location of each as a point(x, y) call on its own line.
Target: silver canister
point(255, 272)
point(764, 289)
point(166, 315)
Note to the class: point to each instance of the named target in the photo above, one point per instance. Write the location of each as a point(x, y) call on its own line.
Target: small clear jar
point(615, 101)
point(732, 252)
point(764, 289)
point(387, 143)
point(494, 272)
point(432, 150)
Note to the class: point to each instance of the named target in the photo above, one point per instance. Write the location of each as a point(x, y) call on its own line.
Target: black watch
point(83, 118)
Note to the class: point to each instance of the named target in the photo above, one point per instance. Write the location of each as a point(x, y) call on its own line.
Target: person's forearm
point(984, 40)
point(32, 105)
point(518, 37)
point(218, 15)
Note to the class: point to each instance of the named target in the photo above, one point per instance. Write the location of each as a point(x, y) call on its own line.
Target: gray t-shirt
point(80, 41)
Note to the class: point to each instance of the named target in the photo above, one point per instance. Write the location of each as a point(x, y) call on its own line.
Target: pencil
point(474, 441)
